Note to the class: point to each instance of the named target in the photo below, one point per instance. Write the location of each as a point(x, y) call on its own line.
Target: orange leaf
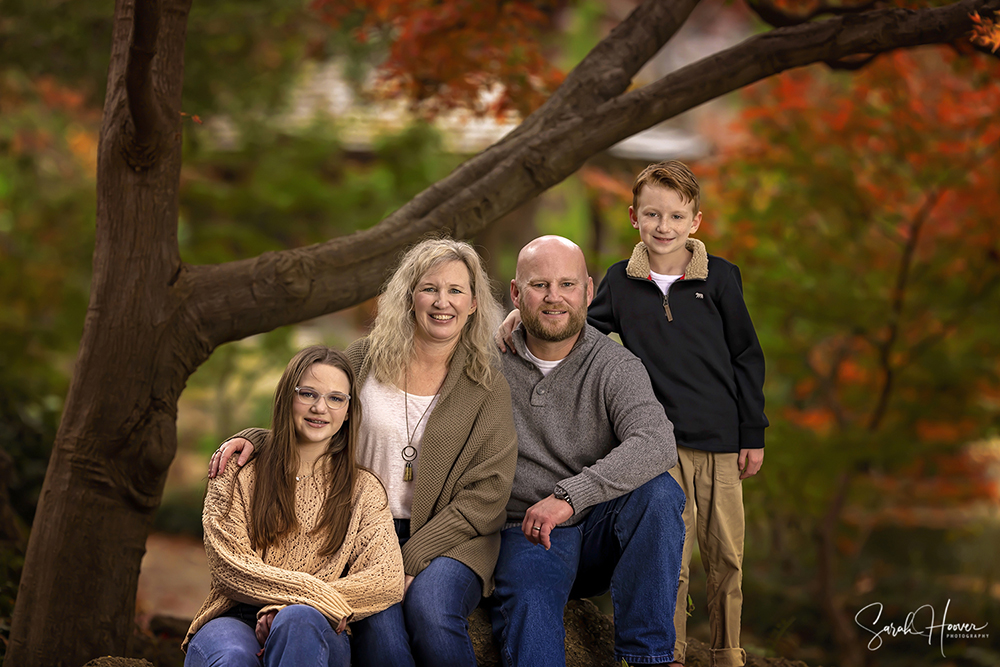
point(985, 32)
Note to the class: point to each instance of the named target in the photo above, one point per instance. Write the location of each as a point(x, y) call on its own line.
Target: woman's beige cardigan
point(466, 468)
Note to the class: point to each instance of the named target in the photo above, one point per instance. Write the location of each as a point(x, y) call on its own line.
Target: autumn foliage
point(862, 211)
point(483, 55)
point(986, 32)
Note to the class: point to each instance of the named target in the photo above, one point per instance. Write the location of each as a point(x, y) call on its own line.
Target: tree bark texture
point(117, 436)
point(153, 320)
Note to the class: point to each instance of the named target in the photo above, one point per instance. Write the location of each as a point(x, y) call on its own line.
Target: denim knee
point(235, 656)
point(441, 596)
point(300, 634)
point(422, 610)
point(382, 640)
point(661, 492)
point(299, 616)
point(224, 642)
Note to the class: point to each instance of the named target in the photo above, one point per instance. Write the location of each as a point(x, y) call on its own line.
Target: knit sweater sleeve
point(238, 571)
point(479, 506)
point(374, 575)
point(255, 435)
point(646, 446)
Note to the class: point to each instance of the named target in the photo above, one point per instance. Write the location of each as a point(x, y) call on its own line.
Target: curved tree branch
point(779, 18)
point(138, 79)
point(871, 32)
point(851, 64)
point(604, 73)
point(241, 298)
point(896, 302)
point(608, 69)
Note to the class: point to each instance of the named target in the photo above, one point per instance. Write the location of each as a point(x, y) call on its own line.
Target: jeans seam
point(474, 583)
point(643, 659)
point(613, 514)
point(504, 647)
point(197, 649)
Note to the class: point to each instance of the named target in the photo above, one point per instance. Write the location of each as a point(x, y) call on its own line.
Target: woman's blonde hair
point(392, 335)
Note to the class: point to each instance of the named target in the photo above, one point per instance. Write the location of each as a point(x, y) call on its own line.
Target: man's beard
point(574, 325)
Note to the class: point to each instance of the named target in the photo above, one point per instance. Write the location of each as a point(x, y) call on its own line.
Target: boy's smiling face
point(665, 221)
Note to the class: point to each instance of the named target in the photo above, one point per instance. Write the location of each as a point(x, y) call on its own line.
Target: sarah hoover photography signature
point(915, 625)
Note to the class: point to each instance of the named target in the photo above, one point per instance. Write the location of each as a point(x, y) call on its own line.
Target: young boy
point(681, 311)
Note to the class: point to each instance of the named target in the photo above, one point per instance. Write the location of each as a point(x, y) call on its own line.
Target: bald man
point(592, 506)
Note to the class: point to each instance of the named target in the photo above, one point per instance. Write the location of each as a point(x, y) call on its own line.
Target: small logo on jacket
point(699, 295)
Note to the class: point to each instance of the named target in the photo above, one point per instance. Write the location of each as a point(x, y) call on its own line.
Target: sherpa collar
point(697, 268)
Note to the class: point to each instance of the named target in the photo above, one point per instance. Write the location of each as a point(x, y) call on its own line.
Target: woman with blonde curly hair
point(439, 432)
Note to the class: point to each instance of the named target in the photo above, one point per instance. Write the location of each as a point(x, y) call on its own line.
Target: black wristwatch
point(561, 494)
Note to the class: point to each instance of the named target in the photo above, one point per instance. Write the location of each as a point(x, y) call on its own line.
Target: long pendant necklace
point(409, 452)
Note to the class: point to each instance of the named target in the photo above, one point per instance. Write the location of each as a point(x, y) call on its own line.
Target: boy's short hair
point(671, 174)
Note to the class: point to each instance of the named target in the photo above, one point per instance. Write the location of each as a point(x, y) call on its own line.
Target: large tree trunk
point(153, 320)
point(117, 436)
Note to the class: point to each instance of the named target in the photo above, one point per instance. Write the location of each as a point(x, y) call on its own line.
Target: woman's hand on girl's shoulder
point(222, 455)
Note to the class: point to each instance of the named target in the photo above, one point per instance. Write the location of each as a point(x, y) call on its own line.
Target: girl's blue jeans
point(300, 635)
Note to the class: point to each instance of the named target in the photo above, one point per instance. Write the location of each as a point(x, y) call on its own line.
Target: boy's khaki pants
point(711, 482)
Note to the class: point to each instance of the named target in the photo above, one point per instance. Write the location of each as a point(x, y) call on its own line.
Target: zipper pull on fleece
point(666, 308)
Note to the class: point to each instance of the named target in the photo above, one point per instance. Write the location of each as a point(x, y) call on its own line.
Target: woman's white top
point(383, 436)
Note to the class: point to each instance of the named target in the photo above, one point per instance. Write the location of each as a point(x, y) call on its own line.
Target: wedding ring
point(535, 528)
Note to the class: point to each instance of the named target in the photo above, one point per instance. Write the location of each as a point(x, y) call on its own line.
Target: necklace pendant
point(408, 472)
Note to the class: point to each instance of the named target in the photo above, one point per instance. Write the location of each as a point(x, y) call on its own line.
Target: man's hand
point(264, 626)
point(341, 626)
point(221, 456)
point(542, 517)
point(750, 462)
point(503, 337)
point(407, 580)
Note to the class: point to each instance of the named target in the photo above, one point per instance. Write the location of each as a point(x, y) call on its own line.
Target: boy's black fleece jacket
point(704, 360)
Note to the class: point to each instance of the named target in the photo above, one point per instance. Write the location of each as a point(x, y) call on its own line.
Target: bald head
point(552, 290)
point(554, 253)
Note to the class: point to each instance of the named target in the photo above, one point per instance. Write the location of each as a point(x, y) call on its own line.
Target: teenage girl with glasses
point(300, 540)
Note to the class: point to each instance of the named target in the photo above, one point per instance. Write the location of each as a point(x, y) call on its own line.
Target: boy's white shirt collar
point(697, 268)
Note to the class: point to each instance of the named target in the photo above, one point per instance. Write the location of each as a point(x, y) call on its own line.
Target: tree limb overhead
point(608, 69)
point(780, 18)
point(285, 287)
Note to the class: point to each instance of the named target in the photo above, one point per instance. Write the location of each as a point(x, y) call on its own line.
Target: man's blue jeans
point(300, 635)
point(429, 627)
point(631, 544)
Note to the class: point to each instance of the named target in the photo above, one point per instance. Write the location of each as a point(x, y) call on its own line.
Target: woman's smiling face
point(442, 303)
